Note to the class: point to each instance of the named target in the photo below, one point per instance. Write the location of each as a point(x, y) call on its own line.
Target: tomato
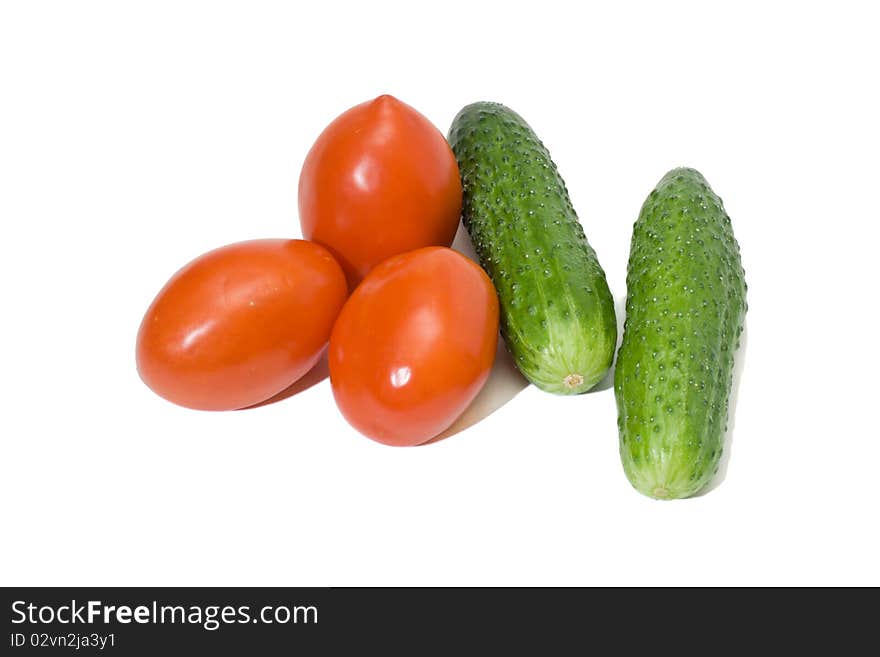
point(241, 323)
point(380, 180)
point(413, 345)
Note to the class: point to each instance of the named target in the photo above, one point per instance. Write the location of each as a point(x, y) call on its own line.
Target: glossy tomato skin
point(413, 345)
point(240, 323)
point(380, 180)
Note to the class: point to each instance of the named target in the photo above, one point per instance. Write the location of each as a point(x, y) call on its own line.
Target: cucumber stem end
point(660, 492)
point(573, 381)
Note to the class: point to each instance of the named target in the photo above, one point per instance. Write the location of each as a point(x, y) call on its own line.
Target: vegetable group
point(414, 345)
point(380, 180)
point(684, 313)
point(240, 324)
point(380, 197)
point(557, 313)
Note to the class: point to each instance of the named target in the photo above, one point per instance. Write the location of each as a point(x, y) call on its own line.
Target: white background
point(135, 136)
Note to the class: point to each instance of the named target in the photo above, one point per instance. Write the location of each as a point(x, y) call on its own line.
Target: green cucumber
point(685, 306)
point(557, 313)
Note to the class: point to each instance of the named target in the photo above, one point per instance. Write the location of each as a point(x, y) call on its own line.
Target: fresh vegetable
point(240, 324)
point(380, 180)
point(557, 313)
point(684, 314)
point(413, 345)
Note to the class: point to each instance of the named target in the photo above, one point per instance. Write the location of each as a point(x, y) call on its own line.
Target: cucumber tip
point(573, 381)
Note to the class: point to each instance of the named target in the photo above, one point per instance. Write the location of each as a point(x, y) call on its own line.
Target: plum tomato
point(240, 323)
point(413, 345)
point(379, 181)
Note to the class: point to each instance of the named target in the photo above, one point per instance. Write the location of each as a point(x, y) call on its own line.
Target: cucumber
point(685, 306)
point(557, 313)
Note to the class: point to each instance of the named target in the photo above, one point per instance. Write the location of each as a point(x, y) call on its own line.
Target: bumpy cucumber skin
point(685, 306)
point(557, 313)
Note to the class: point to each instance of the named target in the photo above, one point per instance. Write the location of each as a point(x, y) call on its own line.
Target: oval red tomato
point(380, 180)
point(241, 323)
point(413, 345)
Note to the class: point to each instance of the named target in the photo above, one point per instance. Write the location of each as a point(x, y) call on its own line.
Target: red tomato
point(380, 180)
point(240, 324)
point(413, 345)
